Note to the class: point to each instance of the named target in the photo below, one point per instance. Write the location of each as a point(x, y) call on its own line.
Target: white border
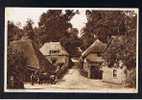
point(72, 91)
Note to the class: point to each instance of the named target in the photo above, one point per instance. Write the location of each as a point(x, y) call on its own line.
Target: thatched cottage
point(94, 66)
point(92, 60)
point(34, 60)
point(56, 54)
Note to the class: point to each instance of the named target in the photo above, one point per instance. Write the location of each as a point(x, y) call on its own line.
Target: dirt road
point(74, 81)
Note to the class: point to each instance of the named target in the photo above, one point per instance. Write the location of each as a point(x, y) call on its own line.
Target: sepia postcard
point(77, 50)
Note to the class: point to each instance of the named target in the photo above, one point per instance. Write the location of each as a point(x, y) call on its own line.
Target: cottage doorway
point(96, 73)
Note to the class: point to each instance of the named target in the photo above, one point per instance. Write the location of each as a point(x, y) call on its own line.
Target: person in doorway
point(32, 78)
point(52, 78)
point(36, 76)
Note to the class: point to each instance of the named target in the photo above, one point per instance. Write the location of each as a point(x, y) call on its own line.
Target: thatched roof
point(94, 58)
point(34, 57)
point(96, 47)
point(55, 46)
point(28, 51)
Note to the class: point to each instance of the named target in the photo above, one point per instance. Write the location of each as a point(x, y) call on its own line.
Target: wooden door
point(96, 73)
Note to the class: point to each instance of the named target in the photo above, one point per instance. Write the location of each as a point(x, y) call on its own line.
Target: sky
point(17, 15)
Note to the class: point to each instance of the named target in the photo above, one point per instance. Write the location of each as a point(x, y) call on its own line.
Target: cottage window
point(54, 51)
point(114, 73)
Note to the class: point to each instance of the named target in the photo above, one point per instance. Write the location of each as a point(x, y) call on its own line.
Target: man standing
point(32, 78)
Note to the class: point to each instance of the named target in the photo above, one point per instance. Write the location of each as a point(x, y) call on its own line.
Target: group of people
point(37, 77)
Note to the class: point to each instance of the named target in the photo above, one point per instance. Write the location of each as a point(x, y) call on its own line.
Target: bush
point(131, 80)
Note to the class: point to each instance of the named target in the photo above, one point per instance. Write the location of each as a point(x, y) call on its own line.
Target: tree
point(87, 39)
point(31, 33)
point(71, 41)
point(105, 23)
point(14, 32)
point(53, 24)
point(28, 29)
